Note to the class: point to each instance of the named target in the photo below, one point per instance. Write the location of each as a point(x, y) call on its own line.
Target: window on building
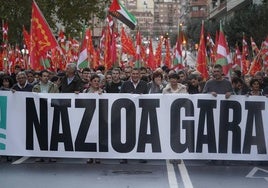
point(214, 3)
point(195, 8)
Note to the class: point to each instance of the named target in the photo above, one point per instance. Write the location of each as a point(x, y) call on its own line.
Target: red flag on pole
point(42, 39)
point(201, 56)
point(245, 62)
point(168, 56)
point(138, 49)
point(158, 53)
point(237, 58)
point(5, 31)
point(151, 62)
point(264, 52)
point(127, 43)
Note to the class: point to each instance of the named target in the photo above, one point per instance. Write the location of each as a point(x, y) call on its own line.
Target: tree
point(251, 20)
point(72, 14)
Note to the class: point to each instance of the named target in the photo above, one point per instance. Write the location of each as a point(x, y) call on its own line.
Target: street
point(70, 173)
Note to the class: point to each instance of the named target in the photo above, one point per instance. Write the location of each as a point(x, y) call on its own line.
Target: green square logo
point(3, 121)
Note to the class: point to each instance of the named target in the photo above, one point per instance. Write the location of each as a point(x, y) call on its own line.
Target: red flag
point(113, 51)
point(107, 49)
point(212, 49)
point(158, 53)
point(62, 41)
point(5, 31)
point(127, 44)
point(201, 56)
point(264, 52)
point(168, 56)
point(245, 62)
point(151, 62)
point(26, 38)
point(256, 65)
point(96, 58)
point(237, 58)
point(138, 49)
point(42, 39)
point(255, 49)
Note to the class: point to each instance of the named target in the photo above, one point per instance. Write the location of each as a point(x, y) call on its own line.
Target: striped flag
point(118, 11)
point(223, 54)
point(83, 56)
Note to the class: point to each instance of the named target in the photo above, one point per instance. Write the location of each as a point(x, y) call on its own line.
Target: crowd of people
point(134, 80)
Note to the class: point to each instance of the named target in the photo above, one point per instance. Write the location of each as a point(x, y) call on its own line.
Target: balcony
point(198, 14)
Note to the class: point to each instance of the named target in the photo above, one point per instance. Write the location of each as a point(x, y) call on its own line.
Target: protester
point(218, 84)
point(86, 74)
point(95, 85)
point(182, 77)
point(31, 78)
point(115, 85)
point(6, 83)
point(22, 83)
point(144, 74)
point(45, 86)
point(156, 85)
point(259, 75)
point(255, 88)
point(94, 88)
point(135, 84)
point(71, 82)
point(193, 84)
point(239, 87)
point(108, 77)
point(13, 75)
point(174, 86)
point(127, 72)
point(56, 80)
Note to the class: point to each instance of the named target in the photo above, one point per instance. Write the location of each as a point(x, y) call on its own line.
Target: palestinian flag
point(118, 11)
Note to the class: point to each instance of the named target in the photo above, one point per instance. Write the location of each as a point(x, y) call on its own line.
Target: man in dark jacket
point(115, 85)
point(22, 83)
point(135, 85)
point(71, 82)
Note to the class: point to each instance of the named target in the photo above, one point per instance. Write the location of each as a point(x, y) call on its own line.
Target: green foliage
point(251, 20)
point(71, 14)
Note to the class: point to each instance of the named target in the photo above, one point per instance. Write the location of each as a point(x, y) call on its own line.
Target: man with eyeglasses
point(22, 83)
point(218, 84)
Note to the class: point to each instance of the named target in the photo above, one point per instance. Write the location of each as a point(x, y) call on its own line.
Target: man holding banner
point(218, 85)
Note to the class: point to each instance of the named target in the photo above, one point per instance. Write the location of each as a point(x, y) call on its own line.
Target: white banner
point(154, 126)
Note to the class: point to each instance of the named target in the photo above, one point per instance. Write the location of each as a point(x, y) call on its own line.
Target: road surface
point(75, 173)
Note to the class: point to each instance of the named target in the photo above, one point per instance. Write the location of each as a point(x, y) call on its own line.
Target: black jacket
point(75, 85)
point(128, 87)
